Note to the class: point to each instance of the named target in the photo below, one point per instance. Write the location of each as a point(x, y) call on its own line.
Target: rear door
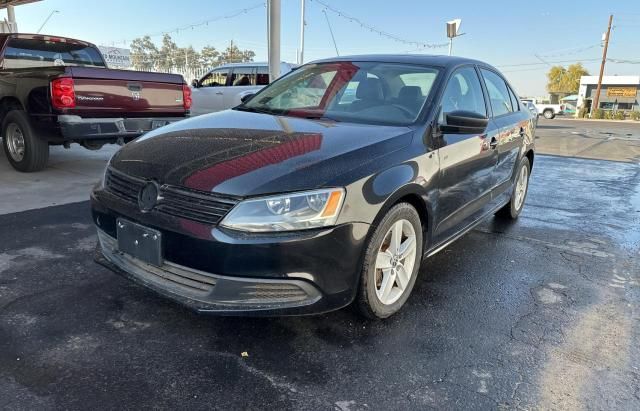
point(123, 93)
point(512, 120)
point(208, 97)
point(467, 161)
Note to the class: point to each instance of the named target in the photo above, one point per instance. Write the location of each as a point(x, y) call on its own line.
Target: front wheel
point(515, 205)
point(391, 263)
point(25, 151)
point(548, 114)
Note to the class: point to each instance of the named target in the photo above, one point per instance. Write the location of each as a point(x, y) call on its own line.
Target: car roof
point(422, 59)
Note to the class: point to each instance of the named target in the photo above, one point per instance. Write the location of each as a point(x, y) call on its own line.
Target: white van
point(224, 86)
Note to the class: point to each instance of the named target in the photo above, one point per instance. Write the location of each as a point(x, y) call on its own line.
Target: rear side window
point(27, 53)
point(514, 100)
point(243, 76)
point(498, 93)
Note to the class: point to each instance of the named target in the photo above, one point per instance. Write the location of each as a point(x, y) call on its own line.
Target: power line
point(376, 30)
point(200, 23)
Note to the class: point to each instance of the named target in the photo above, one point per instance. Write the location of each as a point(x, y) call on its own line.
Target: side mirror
point(464, 122)
point(247, 97)
point(194, 83)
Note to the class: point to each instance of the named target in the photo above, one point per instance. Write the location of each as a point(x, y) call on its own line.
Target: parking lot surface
point(540, 313)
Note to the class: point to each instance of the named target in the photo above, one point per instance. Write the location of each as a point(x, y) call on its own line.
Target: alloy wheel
point(15, 142)
point(395, 262)
point(521, 186)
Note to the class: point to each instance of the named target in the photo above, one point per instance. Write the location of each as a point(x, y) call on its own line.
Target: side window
point(463, 92)
point(262, 78)
point(514, 100)
point(498, 93)
point(215, 78)
point(243, 76)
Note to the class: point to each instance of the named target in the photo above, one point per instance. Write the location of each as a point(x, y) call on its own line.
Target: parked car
point(225, 86)
point(290, 205)
point(58, 91)
point(549, 111)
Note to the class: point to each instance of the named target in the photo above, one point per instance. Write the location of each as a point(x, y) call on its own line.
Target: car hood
point(246, 154)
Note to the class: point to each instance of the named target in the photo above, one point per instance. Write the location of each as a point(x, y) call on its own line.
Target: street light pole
point(47, 19)
point(273, 24)
point(596, 100)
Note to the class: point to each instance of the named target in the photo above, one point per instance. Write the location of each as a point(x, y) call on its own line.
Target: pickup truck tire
point(512, 209)
point(23, 149)
point(548, 114)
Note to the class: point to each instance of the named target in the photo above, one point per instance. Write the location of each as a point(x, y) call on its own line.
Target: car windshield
point(364, 92)
point(28, 53)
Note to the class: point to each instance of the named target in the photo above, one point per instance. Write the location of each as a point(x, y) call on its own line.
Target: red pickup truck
point(58, 91)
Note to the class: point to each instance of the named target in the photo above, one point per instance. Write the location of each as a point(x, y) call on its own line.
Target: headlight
point(287, 212)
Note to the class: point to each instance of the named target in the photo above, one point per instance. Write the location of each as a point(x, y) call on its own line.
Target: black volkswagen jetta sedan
point(331, 185)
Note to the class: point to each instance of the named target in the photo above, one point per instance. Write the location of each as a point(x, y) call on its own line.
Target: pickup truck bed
point(46, 103)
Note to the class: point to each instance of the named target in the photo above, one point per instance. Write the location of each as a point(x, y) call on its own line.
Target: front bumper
point(79, 128)
point(226, 273)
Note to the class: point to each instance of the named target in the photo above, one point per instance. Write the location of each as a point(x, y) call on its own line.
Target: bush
point(582, 113)
point(619, 115)
point(635, 115)
point(608, 115)
point(598, 113)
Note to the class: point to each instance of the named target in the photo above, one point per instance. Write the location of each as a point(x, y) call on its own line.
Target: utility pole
point(301, 52)
point(596, 100)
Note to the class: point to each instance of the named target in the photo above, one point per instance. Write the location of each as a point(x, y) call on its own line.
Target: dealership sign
point(116, 57)
point(621, 91)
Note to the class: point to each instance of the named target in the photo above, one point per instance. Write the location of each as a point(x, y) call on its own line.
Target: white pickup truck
point(225, 86)
point(549, 111)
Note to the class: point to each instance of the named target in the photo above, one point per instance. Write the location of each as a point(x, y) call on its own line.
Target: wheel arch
point(530, 155)
point(7, 104)
point(414, 195)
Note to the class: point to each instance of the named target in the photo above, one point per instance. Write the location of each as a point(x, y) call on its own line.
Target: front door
point(208, 97)
point(467, 161)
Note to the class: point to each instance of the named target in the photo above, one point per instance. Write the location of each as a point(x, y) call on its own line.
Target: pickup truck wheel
point(519, 194)
point(24, 150)
point(391, 263)
point(548, 114)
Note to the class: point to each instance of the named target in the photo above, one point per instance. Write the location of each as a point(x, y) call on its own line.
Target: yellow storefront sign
point(621, 91)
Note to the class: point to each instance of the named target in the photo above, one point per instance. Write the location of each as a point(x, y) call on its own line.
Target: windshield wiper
point(255, 110)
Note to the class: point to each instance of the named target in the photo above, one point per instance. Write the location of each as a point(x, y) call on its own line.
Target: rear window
point(27, 53)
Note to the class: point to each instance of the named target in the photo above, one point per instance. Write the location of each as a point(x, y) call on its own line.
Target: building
point(617, 93)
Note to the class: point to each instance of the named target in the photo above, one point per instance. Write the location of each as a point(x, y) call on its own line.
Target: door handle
point(522, 132)
point(494, 143)
point(219, 93)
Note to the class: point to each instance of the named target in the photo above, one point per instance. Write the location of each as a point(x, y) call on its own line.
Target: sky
point(521, 38)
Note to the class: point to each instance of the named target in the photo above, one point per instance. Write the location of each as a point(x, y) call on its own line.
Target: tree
point(143, 53)
point(168, 54)
point(209, 57)
point(565, 80)
point(233, 54)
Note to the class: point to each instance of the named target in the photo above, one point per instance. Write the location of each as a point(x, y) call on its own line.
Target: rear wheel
point(519, 194)
point(548, 114)
point(391, 263)
point(24, 150)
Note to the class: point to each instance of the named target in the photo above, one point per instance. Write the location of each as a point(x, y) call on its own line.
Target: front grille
point(170, 276)
point(190, 204)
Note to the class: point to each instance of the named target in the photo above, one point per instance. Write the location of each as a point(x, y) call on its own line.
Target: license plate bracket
point(140, 242)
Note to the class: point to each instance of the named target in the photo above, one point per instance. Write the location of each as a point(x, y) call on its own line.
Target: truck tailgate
point(122, 93)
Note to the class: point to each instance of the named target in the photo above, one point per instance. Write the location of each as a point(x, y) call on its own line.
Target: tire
point(549, 114)
point(515, 205)
point(26, 153)
point(372, 300)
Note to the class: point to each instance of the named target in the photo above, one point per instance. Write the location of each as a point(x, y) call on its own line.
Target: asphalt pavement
point(542, 313)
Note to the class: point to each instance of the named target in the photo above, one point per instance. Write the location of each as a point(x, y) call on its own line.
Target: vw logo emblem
point(148, 197)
